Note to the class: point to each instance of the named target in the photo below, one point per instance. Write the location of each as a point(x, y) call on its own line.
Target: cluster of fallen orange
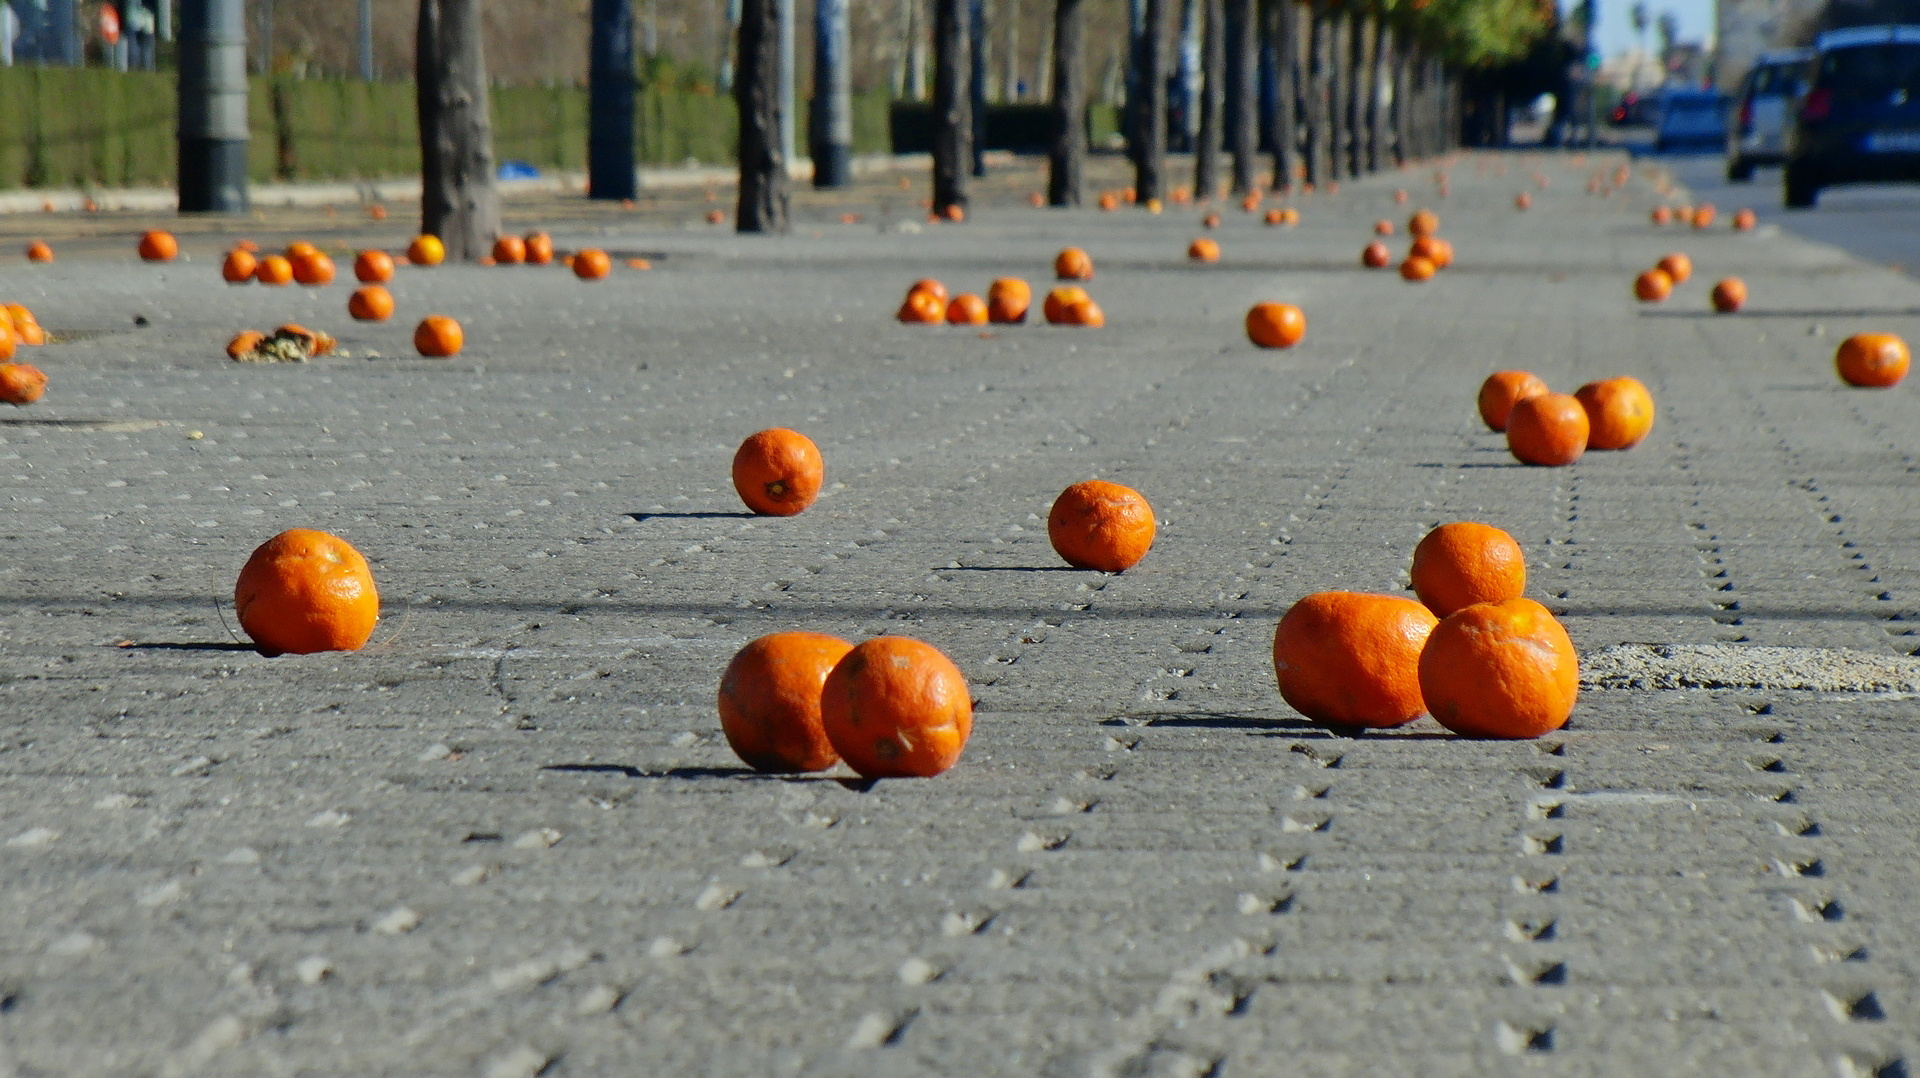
point(1701, 217)
point(1553, 429)
point(1426, 256)
point(20, 383)
point(1009, 299)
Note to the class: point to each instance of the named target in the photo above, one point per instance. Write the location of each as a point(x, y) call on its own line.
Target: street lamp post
point(213, 107)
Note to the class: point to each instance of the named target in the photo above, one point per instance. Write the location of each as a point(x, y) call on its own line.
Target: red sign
point(109, 24)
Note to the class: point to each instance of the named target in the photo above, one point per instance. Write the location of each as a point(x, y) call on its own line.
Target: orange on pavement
point(778, 472)
point(1500, 670)
point(770, 701)
point(895, 707)
point(1351, 659)
point(1459, 564)
point(1095, 524)
point(305, 591)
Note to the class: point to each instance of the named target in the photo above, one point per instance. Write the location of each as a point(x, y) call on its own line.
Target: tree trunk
point(1339, 90)
point(1241, 107)
point(831, 131)
point(756, 95)
point(458, 202)
point(1284, 38)
point(610, 102)
point(1402, 103)
point(977, 85)
point(1067, 164)
point(1150, 164)
point(1319, 112)
point(1364, 85)
point(1379, 98)
point(952, 105)
point(1213, 61)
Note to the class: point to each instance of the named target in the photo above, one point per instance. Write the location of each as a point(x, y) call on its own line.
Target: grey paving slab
point(508, 838)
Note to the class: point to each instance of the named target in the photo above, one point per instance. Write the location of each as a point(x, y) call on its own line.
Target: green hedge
point(90, 127)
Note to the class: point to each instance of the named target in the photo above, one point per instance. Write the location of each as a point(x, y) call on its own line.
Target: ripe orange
point(931, 287)
point(238, 267)
point(895, 707)
point(592, 264)
point(967, 309)
point(439, 337)
point(1008, 300)
point(1036, 200)
point(1619, 412)
point(1416, 268)
point(373, 267)
point(377, 212)
point(1504, 670)
point(26, 329)
point(314, 343)
point(1203, 250)
point(1276, 325)
point(1073, 264)
point(1375, 255)
point(1081, 310)
point(1677, 266)
point(1095, 524)
point(1400, 196)
point(21, 383)
point(7, 342)
point(1549, 430)
point(371, 303)
point(1729, 295)
point(1211, 220)
point(778, 472)
point(509, 250)
point(539, 248)
point(39, 252)
point(770, 701)
point(243, 342)
point(1459, 564)
point(1703, 217)
point(305, 591)
point(1661, 215)
point(1501, 391)
point(313, 269)
point(274, 270)
point(1872, 360)
point(1653, 286)
point(1744, 221)
point(1054, 307)
point(715, 217)
point(426, 251)
point(1424, 223)
point(922, 306)
point(1109, 201)
point(159, 246)
point(300, 249)
point(1274, 217)
point(1350, 659)
point(1522, 201)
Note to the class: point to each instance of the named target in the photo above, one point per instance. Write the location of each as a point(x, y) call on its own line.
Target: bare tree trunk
point(1213, 61)
point(1319, 112)
point(1364, 42)
point(1043, 64)
point(952, 105)
point(1150, 163)
point(1339, 89)
point(1403, 103)
point(1284, 32)
point(1241, 109)
point(756, 94)
point(1067, 164)
point(458, 202)
point(1378, 98)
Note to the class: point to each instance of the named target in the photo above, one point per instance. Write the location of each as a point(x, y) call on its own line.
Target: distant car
point(1689, 120)
point(1860, 119)
point(1763, 109)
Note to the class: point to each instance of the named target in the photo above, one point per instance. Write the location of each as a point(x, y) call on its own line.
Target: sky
point(1616, 23)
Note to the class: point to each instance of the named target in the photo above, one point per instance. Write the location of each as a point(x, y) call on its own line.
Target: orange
point(1653, 286)
point(243, 342)
point(1289, 216)
point(313, 269)
point(967, 309)
point(1109, 201)
point(1375, 255)
point(1460, 564)
point(931, 287)
point(1619, 412)
point(1344, 658)
point(21, 383)
point(39, 252)
point(1442, 253)
point(778, 472)
point(1211, 220)
point(300, 249)
point(371, 303)
point(159, 246)
point(7, 342)
point(770, 701)
point(509, 250)
point(1383, 227)
point(1059, 299)
point(1729, 295)
point(1203, 250)
point(313, 343)
point(373, 267)
point(305, 591)
point(1423, 223)
point(1427, 247)
point(1400, 196)
point(1082, 311)
point(1008, 300)
point(897, 708)
point(1872, 360)
point(1703, 217)
point(922, 306)
point(377, 212)
point(1661, 215)
point(1504, 670)
point(1678, 266)
point(1522, 201)
point(954, 212)
point(715, 217)
point(1416, 268)
point(1036, 200)
point(1501, 391)
point(426, 251)
point(1095, 524)
point(273, 270)
point(238, 267)
point(1274, 217)
point(1276, 325)
point(639, 264)
point(1073, 264)
point(591, 264)
point(1744, 221)
point(1549, 430)
point(439, 337)
point(539, 248)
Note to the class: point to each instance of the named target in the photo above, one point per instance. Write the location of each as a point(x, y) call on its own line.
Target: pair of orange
point(20, 383)
point(1008, 300)
point(1283, 215)
point(1552, 429)
point(535, 248)
point(1656, 284)
point(892, 707)
point(1485, 661)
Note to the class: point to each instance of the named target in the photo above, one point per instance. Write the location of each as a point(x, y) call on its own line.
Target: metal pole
point(366, 39)
point(787, 156)
point(610, 102)
point(832, 129)
point(213, 107)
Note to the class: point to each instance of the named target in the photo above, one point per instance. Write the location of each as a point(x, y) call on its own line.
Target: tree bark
point(458, 202)
point(1319, 102)
point(1241, 106)
point(952, 105)
point(1067, 164)
point(1150, 163)
point(756, 93)
point(1284, 35)
point(1213, 61)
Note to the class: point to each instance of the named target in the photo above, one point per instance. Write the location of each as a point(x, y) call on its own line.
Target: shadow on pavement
point(168, 645)
point(711, 515)
point(1833, 312)
point(629, 771)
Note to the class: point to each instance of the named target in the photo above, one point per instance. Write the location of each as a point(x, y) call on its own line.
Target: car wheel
point(1800, 192)
point(1739, 171)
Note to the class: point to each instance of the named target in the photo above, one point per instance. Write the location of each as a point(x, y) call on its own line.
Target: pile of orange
point(1553, 429)
point(1429, 254)
point(20, 383)
point(1008, 300)
point(1656, 284)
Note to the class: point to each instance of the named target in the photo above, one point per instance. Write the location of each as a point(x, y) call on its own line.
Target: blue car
point(1860, 119)
point(1690, 120)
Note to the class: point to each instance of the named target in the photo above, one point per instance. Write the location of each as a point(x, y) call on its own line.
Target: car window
point(1780, 80)
point(1871, 72)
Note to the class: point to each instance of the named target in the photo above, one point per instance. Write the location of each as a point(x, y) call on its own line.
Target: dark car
point(1764, 111)
point(1860, 119)
point(1689, 120)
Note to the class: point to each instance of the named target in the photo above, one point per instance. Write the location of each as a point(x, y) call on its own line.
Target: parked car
point(1689, 120)
point(1762, 110)
point(1860, 119)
